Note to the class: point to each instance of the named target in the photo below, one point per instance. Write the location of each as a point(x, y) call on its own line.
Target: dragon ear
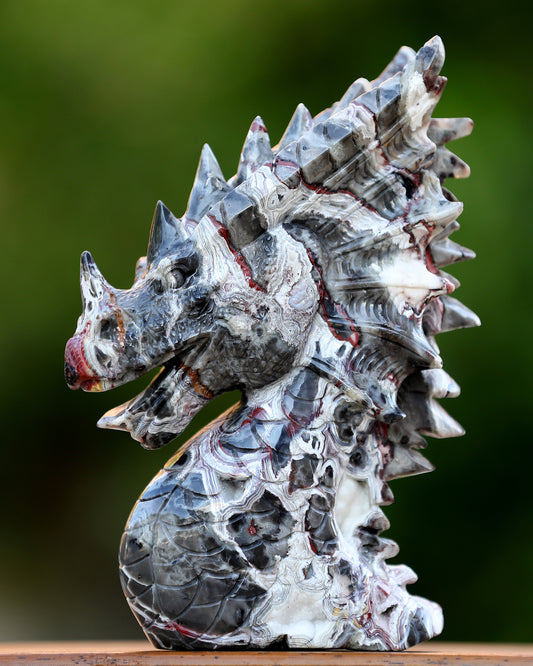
point(255, 152)
point(208, 188)
point(300, 122)
point(163, 234)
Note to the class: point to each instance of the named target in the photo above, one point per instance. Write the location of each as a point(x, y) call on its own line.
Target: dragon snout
point(77, 370)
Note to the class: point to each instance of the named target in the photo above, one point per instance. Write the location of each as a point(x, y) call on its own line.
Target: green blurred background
point(104, 107)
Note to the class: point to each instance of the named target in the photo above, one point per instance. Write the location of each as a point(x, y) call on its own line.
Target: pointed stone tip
point(303, 116)
point(207, 153)
point(301, 121)
point(162, 209)
point(429, 61)
point(88, 267)
point(441, 424)
point(86, 261)
point(208, 187)
point(436, 43)
point(161, 213)
point(207, 166)
point(256, 150)
point(258, 125)
point(111, 419)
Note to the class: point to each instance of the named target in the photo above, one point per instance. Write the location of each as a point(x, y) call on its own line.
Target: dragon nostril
point(101, 357)
point(71, 376)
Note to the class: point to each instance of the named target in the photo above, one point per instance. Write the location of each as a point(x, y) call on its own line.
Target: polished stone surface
point(311, 281)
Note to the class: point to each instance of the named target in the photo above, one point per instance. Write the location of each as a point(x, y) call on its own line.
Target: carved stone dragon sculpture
point(312, 282)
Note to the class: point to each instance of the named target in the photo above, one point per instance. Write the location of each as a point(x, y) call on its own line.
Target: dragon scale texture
point(312, 282)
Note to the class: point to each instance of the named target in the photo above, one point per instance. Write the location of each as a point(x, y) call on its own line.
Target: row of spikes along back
point(395, 173)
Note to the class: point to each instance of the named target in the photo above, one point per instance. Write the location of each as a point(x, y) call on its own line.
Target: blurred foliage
point(104, 109)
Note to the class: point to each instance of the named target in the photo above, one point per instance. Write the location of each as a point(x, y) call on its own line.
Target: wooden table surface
point(140, 653)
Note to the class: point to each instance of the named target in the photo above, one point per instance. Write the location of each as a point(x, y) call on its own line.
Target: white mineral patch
point(409, 282)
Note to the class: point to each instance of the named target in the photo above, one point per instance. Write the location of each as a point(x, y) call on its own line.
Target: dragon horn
point(94, 286)
point(163, 233)
point(208, 188)
point(256, 150)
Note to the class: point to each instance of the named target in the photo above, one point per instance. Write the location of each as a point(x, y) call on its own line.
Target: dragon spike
point(301, 121)
point(435, 383)
point(445, 252)
point(442, 215)
point(406, 462)
point(404, 56)
point(357, 88)
point(208, 188)
point(425, 417)
point(447, 165)
point(94, 287)
point(163, 234)
point(438, 423)
point(456, 315)
point(443, 130)
point(429, 61)
point(256, 150)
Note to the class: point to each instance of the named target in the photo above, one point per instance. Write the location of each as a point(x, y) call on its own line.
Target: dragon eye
point(179, 277)
point(183, 269)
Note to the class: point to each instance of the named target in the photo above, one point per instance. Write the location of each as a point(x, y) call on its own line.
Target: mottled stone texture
point(312, 282)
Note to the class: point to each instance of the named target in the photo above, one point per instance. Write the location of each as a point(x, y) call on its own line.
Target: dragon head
point(218, 309)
